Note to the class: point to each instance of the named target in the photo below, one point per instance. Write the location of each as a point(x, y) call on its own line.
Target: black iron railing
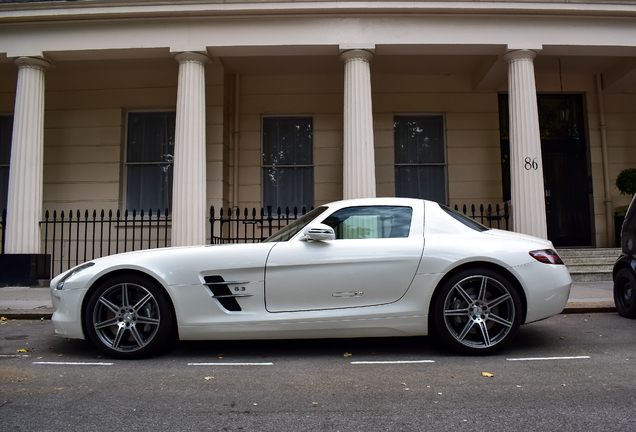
point(249, 227)
point(72, 238)
point(497, 217)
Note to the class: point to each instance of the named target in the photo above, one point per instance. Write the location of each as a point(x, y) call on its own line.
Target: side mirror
point(320, 232)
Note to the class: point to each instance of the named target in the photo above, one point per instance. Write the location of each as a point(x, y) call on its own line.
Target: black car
point(625, 267)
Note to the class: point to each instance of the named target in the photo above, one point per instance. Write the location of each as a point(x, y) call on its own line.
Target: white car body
point(320, 289)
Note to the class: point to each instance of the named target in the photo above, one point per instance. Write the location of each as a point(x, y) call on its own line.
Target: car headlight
point(73, 272)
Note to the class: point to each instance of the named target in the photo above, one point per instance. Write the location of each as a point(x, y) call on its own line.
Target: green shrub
point(626, 181)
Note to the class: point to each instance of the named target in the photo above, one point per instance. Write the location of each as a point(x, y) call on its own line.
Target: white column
point(188, 188)
point(526, 167)
point(358, 157)
point(24, 205)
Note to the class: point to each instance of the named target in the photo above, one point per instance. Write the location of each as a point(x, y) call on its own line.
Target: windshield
point(470, 223)
point(293, 228)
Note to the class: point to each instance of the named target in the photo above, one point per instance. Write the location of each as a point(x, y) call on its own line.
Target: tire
point(128, 317)
point(476, 311)
point(624, 294)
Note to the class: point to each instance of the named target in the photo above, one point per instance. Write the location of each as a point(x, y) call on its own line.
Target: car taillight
point(546, 256)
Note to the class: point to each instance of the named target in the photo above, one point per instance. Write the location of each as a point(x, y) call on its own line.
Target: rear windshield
point(470, 223)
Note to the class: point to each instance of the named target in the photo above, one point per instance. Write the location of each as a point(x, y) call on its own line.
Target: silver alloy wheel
point(126, 317)
point(479, 311)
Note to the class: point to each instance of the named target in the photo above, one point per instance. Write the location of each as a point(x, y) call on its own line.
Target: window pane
point(150, 137)
point(371, 222)
point(287, 140)
point(149, 187)
point(419, 139)
point(288, 187)
point(6, 129)
point(287, 143)
point(424, 182)
point(4, 187)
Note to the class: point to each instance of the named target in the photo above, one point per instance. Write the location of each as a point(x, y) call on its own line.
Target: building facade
point(185, 104)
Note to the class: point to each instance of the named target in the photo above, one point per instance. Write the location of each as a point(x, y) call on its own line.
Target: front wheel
point(476, 311)
point(624, 295)
point(128, 317)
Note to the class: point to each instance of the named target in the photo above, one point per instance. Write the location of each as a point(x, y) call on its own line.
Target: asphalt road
point(567, 373)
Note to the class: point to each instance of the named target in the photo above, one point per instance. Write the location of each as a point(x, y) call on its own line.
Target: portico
point(351, 75)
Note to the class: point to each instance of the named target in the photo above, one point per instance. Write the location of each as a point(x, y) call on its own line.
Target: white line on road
point(73, 363)
point(14, 355)
point(548, 358)
point(231, 364)
point(393, 362)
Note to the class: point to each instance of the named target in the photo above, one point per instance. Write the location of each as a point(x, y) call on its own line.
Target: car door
point(372, 260)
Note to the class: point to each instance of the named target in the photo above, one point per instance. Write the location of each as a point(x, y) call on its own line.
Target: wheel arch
point(477, 265)
point(122, 272)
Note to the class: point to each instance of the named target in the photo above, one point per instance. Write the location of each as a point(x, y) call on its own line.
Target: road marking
point(393, 362)
point(548, 358)
point(73, 363)
point(231, 364)
point(14, 355)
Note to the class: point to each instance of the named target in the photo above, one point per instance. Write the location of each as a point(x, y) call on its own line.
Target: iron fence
point(72, 239)
point(250, 227)
point(498, 217)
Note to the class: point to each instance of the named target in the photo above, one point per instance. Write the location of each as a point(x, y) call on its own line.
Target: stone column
point(24, 204)
point(526, 167)
point(189, 181)
point(358, 157)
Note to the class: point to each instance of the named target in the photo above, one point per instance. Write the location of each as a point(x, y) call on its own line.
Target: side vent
point(222, 293)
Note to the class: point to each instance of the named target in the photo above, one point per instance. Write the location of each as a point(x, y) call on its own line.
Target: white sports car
point(358, 268)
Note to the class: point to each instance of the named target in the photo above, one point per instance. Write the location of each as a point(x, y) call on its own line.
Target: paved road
point(386, 384)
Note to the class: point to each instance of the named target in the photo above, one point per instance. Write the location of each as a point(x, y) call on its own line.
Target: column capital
point(189, 56)
point(356, 54)
point(517, 55)
point(32, 62)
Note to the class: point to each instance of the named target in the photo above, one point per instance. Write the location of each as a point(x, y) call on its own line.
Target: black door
point(565, 167)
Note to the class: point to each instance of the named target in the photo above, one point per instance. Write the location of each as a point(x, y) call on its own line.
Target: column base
point(24, 269)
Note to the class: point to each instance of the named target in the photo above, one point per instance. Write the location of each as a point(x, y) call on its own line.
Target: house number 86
point(531, 164)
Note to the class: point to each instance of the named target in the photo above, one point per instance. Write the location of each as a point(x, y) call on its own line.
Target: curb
point(27, 314)
point(571, 307)
point(589, 307)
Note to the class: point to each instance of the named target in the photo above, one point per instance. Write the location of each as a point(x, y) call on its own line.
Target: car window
point(371, 222)
point(460, 217)
point(293, 228)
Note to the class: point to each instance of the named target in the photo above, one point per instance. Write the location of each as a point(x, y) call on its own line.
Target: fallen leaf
point(3, 318)
point(486, 374)
point(58, 388)
point(314, 403)
point(403, 383)
point(565, 316)
point(406, 388)
point(39, 358)
point(561, 337)
point(347, 354)
point(21, 350)
point(60, 355)
point(454, 377)
point(208, 378)
point(563, 385)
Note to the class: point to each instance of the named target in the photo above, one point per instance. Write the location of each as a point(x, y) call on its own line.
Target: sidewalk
point(35, 303)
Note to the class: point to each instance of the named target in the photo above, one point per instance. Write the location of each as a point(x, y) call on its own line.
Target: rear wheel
point(128, 317)
point(476, 311)
point(624, 295)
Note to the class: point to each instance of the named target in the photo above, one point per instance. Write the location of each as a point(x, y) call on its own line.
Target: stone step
point(589, 252)
point(591, 276)
point(590, 264)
